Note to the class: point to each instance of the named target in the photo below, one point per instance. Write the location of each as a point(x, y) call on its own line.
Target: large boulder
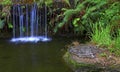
point(91, 58)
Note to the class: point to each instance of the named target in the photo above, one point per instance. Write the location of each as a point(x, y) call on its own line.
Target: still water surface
point(33, 57)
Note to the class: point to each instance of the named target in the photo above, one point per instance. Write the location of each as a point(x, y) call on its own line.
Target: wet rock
point(83, 51)
point(88, 59)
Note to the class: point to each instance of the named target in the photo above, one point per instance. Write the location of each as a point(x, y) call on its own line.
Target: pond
point(33, 57)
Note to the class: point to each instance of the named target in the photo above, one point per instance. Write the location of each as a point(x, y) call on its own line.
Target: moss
point(103, 55)
point(75, 65)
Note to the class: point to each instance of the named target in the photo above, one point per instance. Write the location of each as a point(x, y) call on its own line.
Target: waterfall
point(28, 23)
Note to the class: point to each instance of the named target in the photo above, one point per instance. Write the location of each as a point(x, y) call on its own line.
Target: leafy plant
point(87, 11)
point(109, 22)
point(68, 14)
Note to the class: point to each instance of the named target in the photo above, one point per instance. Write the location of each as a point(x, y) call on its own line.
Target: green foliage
point(10, 25)
point(116, 46)
point(41, 2)
point(69, 13)
point(111, 13)
point(3, 14)
point(76, 2)
point(101, 34)
point(91, 10)
point(103, 55)
point(1, 24)
point(108, 20)
point(67, 1)
point(6, 2)
point(75, 22)
point(100, 19)
point(48, 2)
point(95, 8)
point(71, 5)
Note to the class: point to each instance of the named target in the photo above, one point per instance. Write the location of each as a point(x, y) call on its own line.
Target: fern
point(93, 11)
point(70, 12)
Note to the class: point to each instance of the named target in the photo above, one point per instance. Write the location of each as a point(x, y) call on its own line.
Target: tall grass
point(116, 46)
point(100, 34)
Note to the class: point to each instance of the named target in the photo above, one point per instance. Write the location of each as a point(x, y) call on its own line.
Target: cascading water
point(28, 23)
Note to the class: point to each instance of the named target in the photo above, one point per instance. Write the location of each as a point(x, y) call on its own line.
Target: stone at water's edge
point(88, 59)
point(84, 51)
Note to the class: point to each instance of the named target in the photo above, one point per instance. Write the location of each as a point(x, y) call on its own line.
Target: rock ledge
point(93, 58)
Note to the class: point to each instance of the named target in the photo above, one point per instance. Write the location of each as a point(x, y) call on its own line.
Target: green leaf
point(75, 22)
point(10, 25)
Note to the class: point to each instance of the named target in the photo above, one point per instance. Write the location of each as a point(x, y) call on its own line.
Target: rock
point(84, 51)
point(88, 59)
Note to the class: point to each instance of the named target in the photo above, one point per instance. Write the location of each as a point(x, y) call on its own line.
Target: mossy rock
point(89, 65)
point(79, 66)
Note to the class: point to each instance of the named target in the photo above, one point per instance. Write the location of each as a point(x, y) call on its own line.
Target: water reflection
point(31, 57)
